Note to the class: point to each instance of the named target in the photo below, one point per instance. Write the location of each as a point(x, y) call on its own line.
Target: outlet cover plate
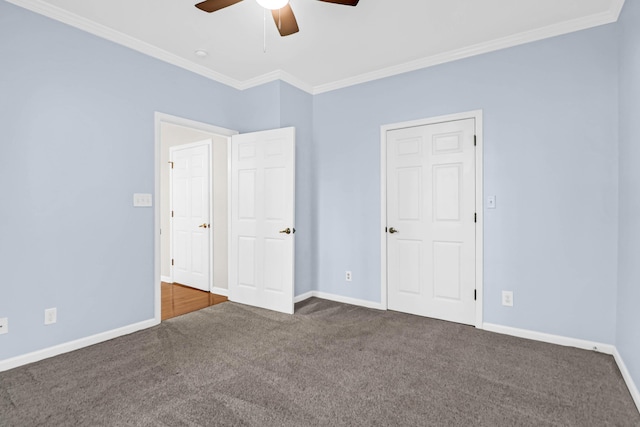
point(491, 202)
point(507, 298)
point(50, 316)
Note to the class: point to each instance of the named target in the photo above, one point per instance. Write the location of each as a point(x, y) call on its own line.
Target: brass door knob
point(392, 230)
point(286, 231)
point(205, 225)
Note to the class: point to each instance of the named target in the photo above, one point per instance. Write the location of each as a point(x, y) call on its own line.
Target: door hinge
point(171, 214)
point(475, 294)
point(475, 142)
point(475, 217)
point(171, 261)
point(171, 163)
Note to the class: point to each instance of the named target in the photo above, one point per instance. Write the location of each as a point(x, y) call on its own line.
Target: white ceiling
point(337, 45)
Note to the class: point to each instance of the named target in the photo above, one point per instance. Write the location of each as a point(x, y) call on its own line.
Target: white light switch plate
point(142, 200)
point(4, 326)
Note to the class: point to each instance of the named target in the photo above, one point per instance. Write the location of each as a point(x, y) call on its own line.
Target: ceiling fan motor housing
point(280, 9)
point(273, 4)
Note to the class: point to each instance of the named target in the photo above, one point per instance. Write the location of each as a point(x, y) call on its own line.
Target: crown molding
point(274, 76)
point(296, 82)
point(616, 9)
point(115, 36)
point(118, 37)
point(259, 80)
point(565, 27)
point(123, 39)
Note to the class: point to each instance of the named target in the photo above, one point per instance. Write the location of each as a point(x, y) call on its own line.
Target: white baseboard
point(220, 291)
point(46, 353)
point(166, 279)
point(302, 297)
point(549, 338)
point(573, 342)
point(339, 298)
point(633, 389)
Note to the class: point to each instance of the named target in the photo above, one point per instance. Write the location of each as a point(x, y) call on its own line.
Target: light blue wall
point(77, 115)
point(77, 121)
point(297, 111)
point(628, 336)
point(256, 109)
point(550, 157)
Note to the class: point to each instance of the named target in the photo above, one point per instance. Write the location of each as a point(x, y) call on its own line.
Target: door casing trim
point(160, 118)
point(477, 115)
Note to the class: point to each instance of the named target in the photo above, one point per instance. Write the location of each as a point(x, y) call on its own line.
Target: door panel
point(446, 183)
point(262, 205)
point(431, 204)
point(409, 187)
point(246, 262)
point(409, 265)
point(446, 270)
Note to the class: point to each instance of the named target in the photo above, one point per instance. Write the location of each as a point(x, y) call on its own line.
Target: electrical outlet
point(50, 316)
point(507, 298)
point(491, 202)
point(348, 276)
point(4, 326)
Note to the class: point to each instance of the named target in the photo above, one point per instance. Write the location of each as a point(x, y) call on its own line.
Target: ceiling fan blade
point(344, 2)
point(213, 5)
point(285, 20)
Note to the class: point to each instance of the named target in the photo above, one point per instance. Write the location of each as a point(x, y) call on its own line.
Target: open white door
point(261, 257)
point(190, 214)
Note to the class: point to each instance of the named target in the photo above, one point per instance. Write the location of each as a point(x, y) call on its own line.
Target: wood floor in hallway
point(178, 299)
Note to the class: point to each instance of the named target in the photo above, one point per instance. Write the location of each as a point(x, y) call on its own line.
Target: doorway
point(175, 132)
point(260, 257)
point(432, 217)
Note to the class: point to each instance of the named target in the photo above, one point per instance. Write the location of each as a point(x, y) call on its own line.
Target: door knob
point(204, 225)
point(392, 230)
point(286, 231)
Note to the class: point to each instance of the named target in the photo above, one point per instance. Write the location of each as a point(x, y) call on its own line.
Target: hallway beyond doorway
point(178, 299)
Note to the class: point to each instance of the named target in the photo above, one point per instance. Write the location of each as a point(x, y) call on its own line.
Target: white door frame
point(477, 115)
point(160, 118)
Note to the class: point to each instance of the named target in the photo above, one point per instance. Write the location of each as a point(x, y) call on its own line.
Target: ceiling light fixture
point(273, 4)
point(201, 53)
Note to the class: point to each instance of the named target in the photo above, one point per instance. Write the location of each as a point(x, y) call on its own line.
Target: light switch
point(491, 202)
point(142, 200)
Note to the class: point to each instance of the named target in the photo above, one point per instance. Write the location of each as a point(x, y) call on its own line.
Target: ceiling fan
point(280, 10)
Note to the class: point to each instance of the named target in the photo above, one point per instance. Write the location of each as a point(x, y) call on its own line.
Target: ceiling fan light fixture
point(273, 4)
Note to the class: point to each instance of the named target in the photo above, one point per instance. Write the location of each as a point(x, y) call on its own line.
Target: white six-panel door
point(261, 258)
point(431, 220)
point(191, 219)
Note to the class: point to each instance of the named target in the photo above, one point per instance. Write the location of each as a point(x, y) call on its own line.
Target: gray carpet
point(330, 364)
